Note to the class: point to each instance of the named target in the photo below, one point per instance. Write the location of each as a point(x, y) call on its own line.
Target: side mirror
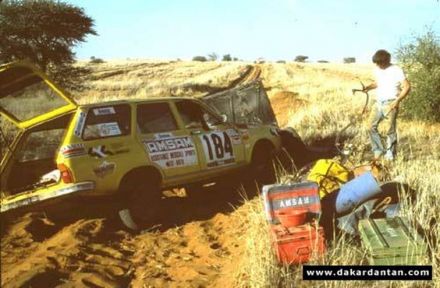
point(224, 118)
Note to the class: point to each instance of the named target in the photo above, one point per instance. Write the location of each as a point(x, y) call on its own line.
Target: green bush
point(227, 57)
point(348, 60)
point(199, 58)
point(420, 60)
point(301, 58)
point(94, 60)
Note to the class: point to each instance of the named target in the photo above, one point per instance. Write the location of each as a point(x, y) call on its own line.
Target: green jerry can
point(391, 241)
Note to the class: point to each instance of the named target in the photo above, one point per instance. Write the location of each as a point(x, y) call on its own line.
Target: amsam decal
point(172, 152)
point(218, 149)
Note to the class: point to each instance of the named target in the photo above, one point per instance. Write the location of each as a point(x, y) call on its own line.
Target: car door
point(219, 144)
point(106, 138)
point(167, 146)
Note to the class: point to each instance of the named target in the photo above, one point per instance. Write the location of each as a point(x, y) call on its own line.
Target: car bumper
point(43, 195)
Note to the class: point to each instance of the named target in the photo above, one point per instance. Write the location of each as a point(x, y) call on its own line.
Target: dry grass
point(115, 80)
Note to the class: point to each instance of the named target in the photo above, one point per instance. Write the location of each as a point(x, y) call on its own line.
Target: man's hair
point(382, 57)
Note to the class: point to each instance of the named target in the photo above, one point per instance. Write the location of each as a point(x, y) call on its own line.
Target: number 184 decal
point(218, 150)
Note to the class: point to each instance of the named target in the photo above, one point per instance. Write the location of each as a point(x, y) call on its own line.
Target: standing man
point(392, 86)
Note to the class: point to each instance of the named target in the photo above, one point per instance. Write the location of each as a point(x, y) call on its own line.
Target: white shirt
point(388, 82)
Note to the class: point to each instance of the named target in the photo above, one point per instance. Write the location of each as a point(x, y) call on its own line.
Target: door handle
point(196, 132)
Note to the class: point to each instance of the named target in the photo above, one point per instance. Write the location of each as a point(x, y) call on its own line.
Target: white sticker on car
point(99, 152)
point(104, 169)
point(104, 111)
point(218, 150)
point(107, 129)
point(172, 152)
point(80, 124)
point(235, 136)
point(165, 135)
point(73, 150)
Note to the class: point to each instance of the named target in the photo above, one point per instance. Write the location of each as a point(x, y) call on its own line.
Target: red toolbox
point(295, 245)
point(289, 198)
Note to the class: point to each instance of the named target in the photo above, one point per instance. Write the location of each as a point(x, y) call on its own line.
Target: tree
point(227, 57)
point(199, 58)
point(44, 32)
point(301, 58)
point(421, 62)
point(94, 60)
point(213, 56)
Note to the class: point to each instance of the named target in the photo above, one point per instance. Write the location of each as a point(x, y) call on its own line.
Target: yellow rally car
point(128, 149)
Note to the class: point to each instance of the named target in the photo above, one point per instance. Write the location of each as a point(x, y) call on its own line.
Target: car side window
point(41, 145)
point(155, 118)
point(191, 114)
point(107, 121)
point(196, 116)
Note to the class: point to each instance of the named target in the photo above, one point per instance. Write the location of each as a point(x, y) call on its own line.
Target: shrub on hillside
point(227, 57)
point(301, 58)
point(213, 56)
point(199, 58)
point(421, 62)
point(94, 60)
point(348, 60)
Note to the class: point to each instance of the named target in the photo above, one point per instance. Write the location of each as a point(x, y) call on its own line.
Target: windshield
point(243, 105)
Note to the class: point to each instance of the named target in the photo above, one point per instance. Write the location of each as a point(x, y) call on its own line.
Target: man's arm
point(373, 85)
point(406, 87)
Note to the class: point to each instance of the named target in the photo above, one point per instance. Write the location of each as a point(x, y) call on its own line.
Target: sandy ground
point(193, 243)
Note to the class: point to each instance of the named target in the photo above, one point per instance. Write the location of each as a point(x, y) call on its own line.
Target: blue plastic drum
point(356, 192)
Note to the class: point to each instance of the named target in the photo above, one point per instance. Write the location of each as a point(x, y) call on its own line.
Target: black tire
point(142, 194)
point(295, 148)
point(262, 166)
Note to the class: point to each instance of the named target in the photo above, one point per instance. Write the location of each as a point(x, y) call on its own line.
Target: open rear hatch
point(27, 96)
point(246, 104)
point(41, 111)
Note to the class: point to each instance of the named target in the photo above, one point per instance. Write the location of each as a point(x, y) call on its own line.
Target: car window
point(195, 115)
point(33, 99)
point(41, 145)
point(107, 121)
point(155, 118)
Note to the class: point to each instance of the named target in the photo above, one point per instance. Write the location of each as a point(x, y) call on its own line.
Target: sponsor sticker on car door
point(217, 148)
point(172, 152)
